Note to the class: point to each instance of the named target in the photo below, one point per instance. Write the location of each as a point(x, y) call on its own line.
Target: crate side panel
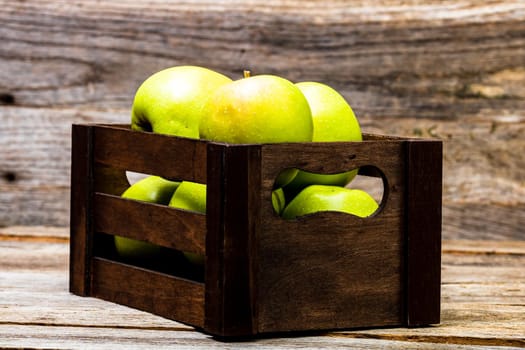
point(148, 153)
point(332, 270)
point(163, 295)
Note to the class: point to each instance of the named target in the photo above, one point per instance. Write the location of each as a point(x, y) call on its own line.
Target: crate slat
point(167, 296)
point(119, 147)
point(153, 223)
point(331, 158)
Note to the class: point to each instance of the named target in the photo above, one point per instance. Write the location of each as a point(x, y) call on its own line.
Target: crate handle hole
point(329, 191)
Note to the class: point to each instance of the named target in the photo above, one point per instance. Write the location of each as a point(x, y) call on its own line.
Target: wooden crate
point(262, 274)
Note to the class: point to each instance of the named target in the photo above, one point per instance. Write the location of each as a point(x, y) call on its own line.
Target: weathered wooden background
point(454, 70)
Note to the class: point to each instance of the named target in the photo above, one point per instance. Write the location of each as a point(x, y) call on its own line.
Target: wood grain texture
point(36, 310)
point(395, 58)
point(452, 70)
point(154, 223)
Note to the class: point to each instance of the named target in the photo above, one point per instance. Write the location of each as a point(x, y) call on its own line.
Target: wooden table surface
point(483, 305)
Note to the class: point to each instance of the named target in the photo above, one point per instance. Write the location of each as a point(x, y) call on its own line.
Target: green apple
point(190, 196)
point(171, 100)
point(258, 109)
point(333, 120)
point(278, 200)
point(152, 189)
point(316, 198)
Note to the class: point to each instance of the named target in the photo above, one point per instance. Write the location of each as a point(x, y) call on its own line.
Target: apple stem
point(247, 73)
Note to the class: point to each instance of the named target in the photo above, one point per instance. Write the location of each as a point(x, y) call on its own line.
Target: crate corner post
point(80, 209)
point(424, 182)
point(232, 221)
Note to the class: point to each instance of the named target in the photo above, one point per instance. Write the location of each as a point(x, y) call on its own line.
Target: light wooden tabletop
point(483, 305)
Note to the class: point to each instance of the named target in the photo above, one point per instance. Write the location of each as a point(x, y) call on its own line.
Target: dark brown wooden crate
point(262, 274)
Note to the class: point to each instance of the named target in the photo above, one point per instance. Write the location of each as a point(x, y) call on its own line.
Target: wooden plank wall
point(454, 70)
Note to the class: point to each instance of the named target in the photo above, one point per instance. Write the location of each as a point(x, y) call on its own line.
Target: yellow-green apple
point(258, 109)
point(171, 100)
point(316, 198)
point(190, 196)
point(152, 189)
point(278, 200)
point(333, 120)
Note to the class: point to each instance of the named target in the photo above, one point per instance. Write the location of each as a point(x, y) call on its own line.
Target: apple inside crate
point(262, 274)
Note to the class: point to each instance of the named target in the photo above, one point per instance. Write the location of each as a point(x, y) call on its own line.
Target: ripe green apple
point(316, 198)
point(190, 196)
point(278, 200)
point(171, 100)
point(152, 189)
point(333, 120)
point(258, 109)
